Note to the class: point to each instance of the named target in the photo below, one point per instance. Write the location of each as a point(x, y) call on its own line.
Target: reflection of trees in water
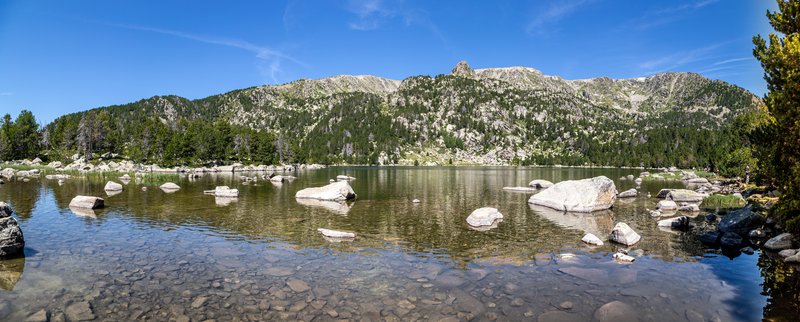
point(22, 196)
point(781, 285)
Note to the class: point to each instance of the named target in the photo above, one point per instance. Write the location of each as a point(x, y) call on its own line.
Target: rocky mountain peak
point(463, 69)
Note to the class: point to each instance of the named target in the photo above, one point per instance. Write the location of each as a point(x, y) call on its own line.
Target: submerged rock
point(112, 186)
point(342, 177)
point(630, 193)
point(337, 191)
point(80, 311)
point(587, 195)
point(592, 239)
point(416, 201)
point(780, 242)
point(485, 216)
point(615, 311)
point(624, 234)
point(540, 184)
point(336, 233)
point(88, 202)
point(339, 207)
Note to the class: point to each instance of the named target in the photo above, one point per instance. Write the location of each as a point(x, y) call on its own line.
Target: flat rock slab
point(298, 286)
point(616, 311)
point(336, 233)
point(279, 271)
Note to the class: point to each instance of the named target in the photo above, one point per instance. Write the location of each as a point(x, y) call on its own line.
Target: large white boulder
point(337, 191)
point(88, 202)
point(591, 239)
point(113, 186)
point(585, 195)
point(485, 216)
point(667, 205)
point(226, 192)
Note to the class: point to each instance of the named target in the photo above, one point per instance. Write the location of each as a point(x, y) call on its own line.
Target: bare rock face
point(587, 195)
point(87, 202)
point(5, 209)
point(337, 191)
point(462, 69)
point(485, 216)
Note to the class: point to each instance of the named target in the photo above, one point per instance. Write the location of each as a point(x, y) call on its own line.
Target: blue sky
point(58, 57)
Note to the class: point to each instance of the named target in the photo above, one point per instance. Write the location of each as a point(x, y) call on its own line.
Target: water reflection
point(10, 272)
point(156, 255)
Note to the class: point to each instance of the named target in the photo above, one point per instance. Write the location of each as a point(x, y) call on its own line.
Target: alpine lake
point(187, 256)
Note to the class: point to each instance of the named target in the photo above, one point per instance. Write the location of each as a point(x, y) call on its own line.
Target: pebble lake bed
point(182, 255)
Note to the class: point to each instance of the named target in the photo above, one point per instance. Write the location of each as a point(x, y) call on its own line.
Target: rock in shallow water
point(787, 253)
point(667, 205)
point(112, 186)
point(587, 195)
point(337, 191)
point(630, 193)
point(624, 234)
point(615, 311)
point(80, 311)
point(684, 195)
point(169, 186)
point(485, 216)
point(88, 202)
point(592, 240)
point(11, 240)
point(335, 233)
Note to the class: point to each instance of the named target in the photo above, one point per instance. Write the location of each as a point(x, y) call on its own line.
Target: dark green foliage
point(19, 139)
point(778, 137)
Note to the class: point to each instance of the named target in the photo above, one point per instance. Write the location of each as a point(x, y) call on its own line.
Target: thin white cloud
point(272, 56)
point(6, 93)
point(554, 13)
point(666, 15)
point(732, 60)
point(679, 59)
point(373, 14)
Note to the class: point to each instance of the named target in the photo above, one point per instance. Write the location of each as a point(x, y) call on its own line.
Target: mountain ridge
point(483, 116)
